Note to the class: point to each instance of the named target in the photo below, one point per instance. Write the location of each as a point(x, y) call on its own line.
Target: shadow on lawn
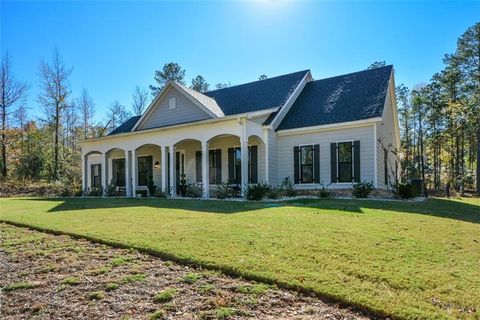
point(434, 207)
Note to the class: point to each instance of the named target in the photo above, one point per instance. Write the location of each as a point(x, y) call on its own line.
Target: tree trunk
point(4, 144)
point(57, 125)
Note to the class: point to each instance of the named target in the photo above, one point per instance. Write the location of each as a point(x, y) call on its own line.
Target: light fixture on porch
point(157, 164)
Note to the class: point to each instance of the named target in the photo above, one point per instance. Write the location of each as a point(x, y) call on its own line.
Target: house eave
point(332, 126)
point(247, 115)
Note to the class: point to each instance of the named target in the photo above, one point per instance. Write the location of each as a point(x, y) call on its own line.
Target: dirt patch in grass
point(47, 276)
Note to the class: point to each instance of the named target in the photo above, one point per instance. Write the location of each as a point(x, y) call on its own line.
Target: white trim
point(287, 105)
point(375, 155)
point(333, 126)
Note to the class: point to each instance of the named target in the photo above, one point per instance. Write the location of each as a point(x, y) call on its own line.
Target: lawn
point(406, 259)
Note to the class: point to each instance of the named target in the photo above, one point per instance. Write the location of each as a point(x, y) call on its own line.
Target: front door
point(179, 168)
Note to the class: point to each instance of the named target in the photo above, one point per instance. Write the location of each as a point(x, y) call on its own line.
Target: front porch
point(235, 154)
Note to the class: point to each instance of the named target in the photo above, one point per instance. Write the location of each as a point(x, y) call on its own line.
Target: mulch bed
point(46, 276)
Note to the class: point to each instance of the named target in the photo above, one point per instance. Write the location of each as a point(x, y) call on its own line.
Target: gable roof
point(351, 97)
point(206, 101)
point(257, 95)
point(126, 126)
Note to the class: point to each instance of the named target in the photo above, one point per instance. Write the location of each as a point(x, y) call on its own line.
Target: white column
point(173, 185)
point(244, 155)
point(205, 173)
point(134, 173)
point(128, 158)
point(267, 167)
point(164, 165)
point(105, 172)
point(84, 173)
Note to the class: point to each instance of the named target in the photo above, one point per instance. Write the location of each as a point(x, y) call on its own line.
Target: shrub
point(194, 191)
point(362, 189)
point(223, 191)
point(324, 192)
point(287, 187)
point(112, 190)
point(274, 193)
point(162, 194)
point(256, 191)
point(403, 190)
point(95, 192)
point(142, 193)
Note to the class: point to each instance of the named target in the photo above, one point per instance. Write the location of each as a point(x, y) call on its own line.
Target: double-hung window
point(96, 175)
point(145, 168)
point(306, 164)
point(345, 161)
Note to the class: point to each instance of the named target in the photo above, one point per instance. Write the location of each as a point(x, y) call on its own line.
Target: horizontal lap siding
point(185, 111)
point(364, 135)
point(386, 139)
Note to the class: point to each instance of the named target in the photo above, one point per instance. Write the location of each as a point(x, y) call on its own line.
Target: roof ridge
point(247, 83)
point(356, 72)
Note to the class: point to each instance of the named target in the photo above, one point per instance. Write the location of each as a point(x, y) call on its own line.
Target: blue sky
point(114, 46)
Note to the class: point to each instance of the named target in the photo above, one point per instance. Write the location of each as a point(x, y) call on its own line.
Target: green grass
point(165, 295)
point(190, 278)
point(111, 286)
point(407, 259)
point(137, 277)
point(20, 286)
point(71, 281)
point(96, 295)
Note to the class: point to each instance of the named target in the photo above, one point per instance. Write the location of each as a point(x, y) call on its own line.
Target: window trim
point(92, 183)
point(124, 171)
point(351, 162)
point(172, 103)
point(213, 169)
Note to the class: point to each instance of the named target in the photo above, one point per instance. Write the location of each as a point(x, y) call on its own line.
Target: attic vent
point(172, 103)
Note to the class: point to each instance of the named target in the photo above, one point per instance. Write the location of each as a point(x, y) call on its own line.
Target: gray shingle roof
point(355, 96)
point(258, 95)
point(126, 126)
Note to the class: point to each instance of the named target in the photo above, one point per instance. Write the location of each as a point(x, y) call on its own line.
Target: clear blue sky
point(114, 46)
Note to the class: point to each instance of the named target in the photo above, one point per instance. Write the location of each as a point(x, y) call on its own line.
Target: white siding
point(185, 111)
point(324, 138)
point(386, 140)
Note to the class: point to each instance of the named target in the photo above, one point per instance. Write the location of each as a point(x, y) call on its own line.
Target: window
point(306, 164)
point(345, 163)
point(144, 170)
point(237, 165)
point(118, 172)
point(172, 103)
point(385, 161)
point(96, 175)
point(212, 166)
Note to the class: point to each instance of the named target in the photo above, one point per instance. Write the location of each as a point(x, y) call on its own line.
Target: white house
point(334, 131)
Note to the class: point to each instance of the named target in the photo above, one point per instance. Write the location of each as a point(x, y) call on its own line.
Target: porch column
point(173, 186)
point(84, 173)
point(164, 165)
point(104, 169)
point(205, 173)
point(244, 157)
point(128, 158)
point(267, 167)
point(133, 177)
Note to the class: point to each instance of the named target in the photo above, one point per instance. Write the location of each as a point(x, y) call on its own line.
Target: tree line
point(439, 120)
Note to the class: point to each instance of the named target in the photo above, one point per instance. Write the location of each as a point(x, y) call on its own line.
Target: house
point(332, 131)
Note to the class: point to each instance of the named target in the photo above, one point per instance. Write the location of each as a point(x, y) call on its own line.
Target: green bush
point(162, 194)
point(142, 193)
point(287, 187)
point(324, 192)
point(223, 191)
point(95, 192)
point(362, 189)
point(256, 191)
point(194, 191)
point(274, 193)
point(403, 191)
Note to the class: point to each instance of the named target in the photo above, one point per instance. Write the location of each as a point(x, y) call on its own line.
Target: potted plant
point(151, 186)
point(183, 185)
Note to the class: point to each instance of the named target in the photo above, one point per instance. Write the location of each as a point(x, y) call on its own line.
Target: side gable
point(188, 108)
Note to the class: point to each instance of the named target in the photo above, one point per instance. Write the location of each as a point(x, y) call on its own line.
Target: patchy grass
point(136, 277)
point(111, 286)
point(407, 259)
point(206, 288)
point(20, 286)
point(96, 295)
point(256, 289)
point(120, 261)
point(190, 278)
point(159, 314)
point(71, 281)
point(165, 295)
point(223, 313)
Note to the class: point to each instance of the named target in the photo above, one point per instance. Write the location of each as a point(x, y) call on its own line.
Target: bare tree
point(117, 115)
point(12, 93)
point(55, 90)
point(87, 110)
point(140, 100)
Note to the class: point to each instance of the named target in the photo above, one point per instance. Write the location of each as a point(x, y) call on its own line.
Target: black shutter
point(198, 166)
point(356, 161)
point(253, 164)
point(333, 162)
point(316, 163)
point(92, 181)
point(231, 163)
point(296, 158)
point(100, 176)
point(218, 166)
